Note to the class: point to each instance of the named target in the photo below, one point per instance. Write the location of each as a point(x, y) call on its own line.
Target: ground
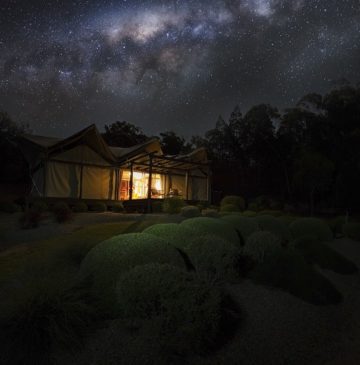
point(276, 327)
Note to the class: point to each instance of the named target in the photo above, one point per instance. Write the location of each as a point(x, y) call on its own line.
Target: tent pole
point(187, 185)
point(131, 184)
point(149, 185)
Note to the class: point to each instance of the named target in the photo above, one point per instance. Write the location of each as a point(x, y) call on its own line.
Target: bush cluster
point(173, 205)
point(274, 225)
point(98, 207)
point(118, 207)
point(311, 227)
point(190, 211)
point(210, 212)
point(80, 207)
point(62, 212)
point(30, 219)
point(259, 245)
point(8, 207)
point(235, 202)
point(40, 206)
point(352, 230)
point(244, 225)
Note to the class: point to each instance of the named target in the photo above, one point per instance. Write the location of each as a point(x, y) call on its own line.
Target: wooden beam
point(131, 184)
point(81, 181)
point(149, 185)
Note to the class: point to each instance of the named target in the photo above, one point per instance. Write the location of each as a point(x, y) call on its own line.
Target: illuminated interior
point(140, 185)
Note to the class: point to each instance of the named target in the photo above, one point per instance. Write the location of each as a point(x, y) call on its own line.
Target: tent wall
point(198, 188)
point(98, 183)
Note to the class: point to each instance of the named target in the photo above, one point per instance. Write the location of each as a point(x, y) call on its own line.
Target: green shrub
point(80, 207)
point(229, 208)
point(217, 227)
point(236, 200)
point(274, 213)
point(274, 225)
point(174, 233)
point(173, 205)
point(260, 244)
point(214, 256)
point(210, 212)
point(336, 225)
point(110, 258)
point(311, 227)
point(262, 202)
point(288, 270)
point(157, 206)
point(249, 213)
point(275, 204)
point(41, 318)
point(253, 206)
point(287, 219)
point(316, 252)
point(62, 212)
point(8, 207)
point(190, 211)
point(184, 312)
point(40, 206)
point(30, 219)
point(245, 225)
point(118, 207)
point(98, 207)
point(352, 230)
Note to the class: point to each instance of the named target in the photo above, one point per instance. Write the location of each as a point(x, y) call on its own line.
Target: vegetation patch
point(244, 225)
point(62, 212)
point(98, 207)
point(274, 225)
point(173, 205)
point(118, 208)
point(234, 200)
point(210, 212)
point(80, 207)
point(190, 211)
point(8, 207)
point(311, 227)
point(352, 230)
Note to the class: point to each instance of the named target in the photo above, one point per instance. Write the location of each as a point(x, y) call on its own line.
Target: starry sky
point(168, 65)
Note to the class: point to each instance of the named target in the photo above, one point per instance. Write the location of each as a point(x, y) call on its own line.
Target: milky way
point(168, 65)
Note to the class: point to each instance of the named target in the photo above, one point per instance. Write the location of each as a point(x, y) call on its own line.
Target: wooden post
point(208, 186)
point(149, 185)
point(45, 172)
point(131, 181)
point(187, 185)
point(81, 181)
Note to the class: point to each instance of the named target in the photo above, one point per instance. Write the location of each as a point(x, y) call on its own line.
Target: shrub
point(176, 234)
point(80, 207)
point(118, 207)
point(30, 219)
point(98, 207)
point(173, 205)
point(260, 244)
point(236, 200)
point(42, 318)
point(190, 211)
point(336, 225)
point(316, 252)
point(275, 204)
point(229, 208)
point(244, 225)
point(352, 230)
point(209, 212)
point(253, 206)
point(311, 227)
point(62, 212)
point(288, 270)
point(40, 206)
point(8, 207)
point(157, 206)
point(287, 219)
point(275, 226)
point(217, 227)
point(274, 213)
point(249, 213)
point(108, 259)
point(184, 312)
point(214, 256)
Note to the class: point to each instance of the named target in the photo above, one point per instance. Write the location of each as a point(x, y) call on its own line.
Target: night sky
point(168, 64)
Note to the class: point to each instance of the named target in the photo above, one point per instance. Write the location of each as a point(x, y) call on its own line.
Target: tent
point(83, 166)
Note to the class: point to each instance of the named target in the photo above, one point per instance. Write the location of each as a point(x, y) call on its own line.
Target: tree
point(172, 144)
point(123, 134)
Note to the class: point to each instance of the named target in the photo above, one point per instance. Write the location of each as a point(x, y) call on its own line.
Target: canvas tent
point(83, 166)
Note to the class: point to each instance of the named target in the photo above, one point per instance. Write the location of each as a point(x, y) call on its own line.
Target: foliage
point(249, 213)
point(311, 227)
point(30, 219)
point(274, 213)
point(336, 225)
point(213, 226)
point(172, 144)
point(260, 244)
point(288, 270)
point(235, 200)
point(173, 205)
point(190, 211)
point(118, 207)
point(8, 207)
point(210, 212)
point(274, 225)
point(80, 207)
point(214, 256)
point(42, 317)
point(174, 233)
point(352, 230)
point(62, 212)
point(157, 206)
point(244, 225)
point(98, 207)
point(229, 208)
point(316, 252)
point(184, 311)
point(107, 260)
point(254, 206)
point(123, 134)
point(40, 206)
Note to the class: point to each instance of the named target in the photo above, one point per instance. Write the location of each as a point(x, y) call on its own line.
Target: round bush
point(108, 259)
point(260, 244)
point(98, 207)
point(39, 206)
point(80, 207)
point(173, 205)
point(217, 227)
point(185, 311)
point(8, 207)
point(62, 212)
point(174, 233)
point(253, 206)
point(236, 200)
point(274, 213)
point(190, 211)
point(209, 212)
point(214, 256)
point(229, 208)
point(352, 230)
point(245, 225)
point(274, 225)
point(118, 208)
point(249, 213)
point(311, 227)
